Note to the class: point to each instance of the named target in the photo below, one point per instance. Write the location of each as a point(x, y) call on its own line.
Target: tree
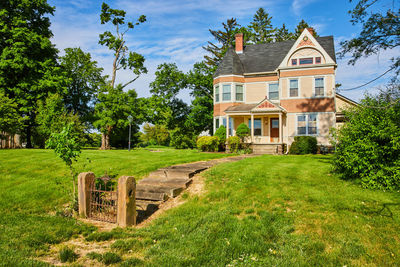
point(261, 28)
point(10, 120)
point(123, 59)
point(112, 110)
point(52, 116)
point(300, 28)
point(85, 80)
point(380, 31)
point(368, 144)
point(27, 57)
point(66, 148)
point(224, 38)
point(155, 134)
point(282, 34)
point(199, 80)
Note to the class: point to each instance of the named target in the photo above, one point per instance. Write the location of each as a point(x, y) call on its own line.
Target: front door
point(274, 130)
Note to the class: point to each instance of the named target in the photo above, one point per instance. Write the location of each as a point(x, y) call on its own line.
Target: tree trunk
point(105, 139)
point(29, 136)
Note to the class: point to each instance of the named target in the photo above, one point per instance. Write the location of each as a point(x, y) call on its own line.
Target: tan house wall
point(306, 72)
point(255, 92)
point(219, 108)
point(342, 104)
point(306, 52)
point(309, 105)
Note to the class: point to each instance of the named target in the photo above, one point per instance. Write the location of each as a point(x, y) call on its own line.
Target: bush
point(368, 144)
point(182, 139)
point(233, 143)
point(110, 258)
point(221, 133)
point(242, 131)
point(304, 145)
point(208, 143)
point(67, 254)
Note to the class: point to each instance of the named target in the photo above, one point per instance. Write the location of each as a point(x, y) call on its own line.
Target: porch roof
point(265, 106)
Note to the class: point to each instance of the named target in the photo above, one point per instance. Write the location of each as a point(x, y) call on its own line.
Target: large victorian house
point(280, 90)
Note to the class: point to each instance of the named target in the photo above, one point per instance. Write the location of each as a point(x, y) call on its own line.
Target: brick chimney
point(239, 43)
point(311, 30)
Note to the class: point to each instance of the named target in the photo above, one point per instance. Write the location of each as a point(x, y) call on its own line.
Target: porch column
point(227, 126)
point(252, 127)
point(280, 127)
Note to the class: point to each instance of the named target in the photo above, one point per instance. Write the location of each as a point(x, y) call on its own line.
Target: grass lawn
point(269, 210)
point(34, 184)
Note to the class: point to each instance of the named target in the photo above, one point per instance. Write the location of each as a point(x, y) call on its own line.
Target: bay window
point(226, 92)
point(216, 94)
point(239, 92)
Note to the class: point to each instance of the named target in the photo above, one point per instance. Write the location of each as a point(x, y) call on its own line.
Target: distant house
point(280, 90)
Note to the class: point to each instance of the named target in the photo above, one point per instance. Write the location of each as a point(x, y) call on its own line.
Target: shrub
point(208, 143)
point(304, 145)
point(182, 139)
point(242, 131)
point(67, 254)
point(368, 144)
point(110, 258)
point(221, 133)
point(233, 143)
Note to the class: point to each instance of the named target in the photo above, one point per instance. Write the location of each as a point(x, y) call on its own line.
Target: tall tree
point(261, 27)
point(380, 30)
point(123, 58)
point(283, 34)
point(200, 83)
point(300, 28)
point(112, 110)
point(27, 56)
point(10, 121)
point(224, 38)
point(85, 80)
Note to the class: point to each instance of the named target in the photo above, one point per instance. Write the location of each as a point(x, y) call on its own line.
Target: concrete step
point(171, 191)
point(143, 195)
point(177, 182)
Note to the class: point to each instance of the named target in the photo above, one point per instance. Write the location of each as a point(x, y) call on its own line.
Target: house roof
point(263, 57)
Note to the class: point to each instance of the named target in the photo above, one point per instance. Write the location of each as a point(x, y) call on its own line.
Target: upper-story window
point(216, 94)
point(226, 92)
point(319, 87)
point(294, 62)
point(273, 91)
point(239, 92)
point(306, 61)
point(294, 87)
point(318, 60)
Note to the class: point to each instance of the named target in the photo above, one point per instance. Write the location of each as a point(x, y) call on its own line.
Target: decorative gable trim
point(306, 40)
point(265, 106)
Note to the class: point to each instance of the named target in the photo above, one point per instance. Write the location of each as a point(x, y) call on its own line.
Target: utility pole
point(130, 124)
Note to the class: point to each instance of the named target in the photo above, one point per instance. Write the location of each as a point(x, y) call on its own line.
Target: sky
point(176, 31)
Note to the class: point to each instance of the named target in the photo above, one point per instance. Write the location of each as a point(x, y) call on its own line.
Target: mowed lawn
point(265, 211)
point(35, 184)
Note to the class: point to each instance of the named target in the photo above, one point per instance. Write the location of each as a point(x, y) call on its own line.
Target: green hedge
point(304, 145)
point(221, 134)
point(208, 143)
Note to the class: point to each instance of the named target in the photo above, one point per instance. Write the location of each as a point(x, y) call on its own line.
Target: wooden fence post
point(85, 179)
point(126, 214)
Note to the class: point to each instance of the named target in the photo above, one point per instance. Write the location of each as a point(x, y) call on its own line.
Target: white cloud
point(298, 5)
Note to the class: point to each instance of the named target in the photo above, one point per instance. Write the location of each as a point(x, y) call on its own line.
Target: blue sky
point(175, 31)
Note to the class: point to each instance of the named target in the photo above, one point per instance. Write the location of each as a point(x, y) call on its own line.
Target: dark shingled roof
point(263, 57)
point(242, 107)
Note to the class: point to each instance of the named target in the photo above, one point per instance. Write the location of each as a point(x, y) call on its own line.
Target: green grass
point(35, 184)
point(271, 211)
point(264, 211)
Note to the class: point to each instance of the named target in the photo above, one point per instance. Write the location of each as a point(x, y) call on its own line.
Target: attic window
point(318, 60)
point(305, 61)
point(294, 62)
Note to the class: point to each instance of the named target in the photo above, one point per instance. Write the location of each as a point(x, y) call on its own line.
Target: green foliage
point(110, 258)
point(221, 133)
point(84, 82)
point(300, 28)
point(94, 256)
point(282, 34)
point(52, 117)
point(155, 135)
point(261, 28)
point(10, 120)
point(182, 139)
point(304, 145)
point(380, 30)
point(368, 145)
point(67, 254)
point(93, 140)
point(132, 262)
point(242, 131)
point(233, 143)
point(208, 143)
point(28, 68)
